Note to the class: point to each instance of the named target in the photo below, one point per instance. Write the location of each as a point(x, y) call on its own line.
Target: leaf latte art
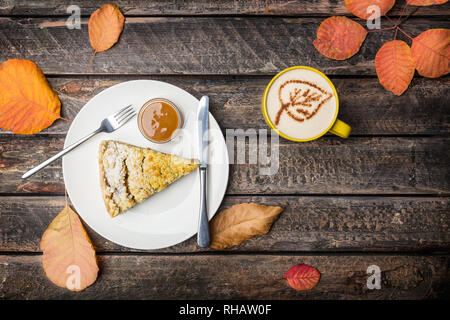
point(303, 103)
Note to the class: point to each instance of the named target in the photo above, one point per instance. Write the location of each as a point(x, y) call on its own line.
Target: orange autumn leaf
point(431, 53)
point(241, 222)
point(302, 277)
point(105, 26)
point(339, 38)
point(359, 7)
point(27, 103)
point(394, 66)
point(68, 255)
point(425, 2)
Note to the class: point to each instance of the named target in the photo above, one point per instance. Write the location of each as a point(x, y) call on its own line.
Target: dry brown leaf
point(27, 103)
point(241, 222)
point(105, 26)
point(68, 255)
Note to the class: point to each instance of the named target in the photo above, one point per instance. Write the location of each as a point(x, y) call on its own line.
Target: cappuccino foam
point(301, 104)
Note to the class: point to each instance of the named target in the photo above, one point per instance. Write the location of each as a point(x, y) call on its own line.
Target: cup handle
point(341, 129)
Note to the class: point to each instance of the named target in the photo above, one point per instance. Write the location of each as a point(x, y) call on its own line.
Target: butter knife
point(202, 132)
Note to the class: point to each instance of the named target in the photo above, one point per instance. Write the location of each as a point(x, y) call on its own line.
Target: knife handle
point(203, 228)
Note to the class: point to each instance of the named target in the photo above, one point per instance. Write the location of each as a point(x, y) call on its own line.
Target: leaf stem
point(65, 119)
point(405, 33)
point(402, 13)
point(397, 26)
point(384, 29)
point(409, 15)
point(90, 62)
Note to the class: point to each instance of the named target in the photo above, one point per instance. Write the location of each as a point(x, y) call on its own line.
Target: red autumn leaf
point(339, 38)
point(394, 66)
point(302, 277)
point(431, 52)
point(27, 103)
point(425, 2)
point(359, 7)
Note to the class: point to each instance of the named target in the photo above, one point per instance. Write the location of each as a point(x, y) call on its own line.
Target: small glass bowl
point(144, 107)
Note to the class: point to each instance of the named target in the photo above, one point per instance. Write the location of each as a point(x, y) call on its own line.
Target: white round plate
point(168, 217)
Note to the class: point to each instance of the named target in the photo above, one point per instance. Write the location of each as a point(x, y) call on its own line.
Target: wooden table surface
point(380, 197)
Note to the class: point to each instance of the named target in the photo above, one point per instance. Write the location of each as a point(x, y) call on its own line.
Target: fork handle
point(60, 154)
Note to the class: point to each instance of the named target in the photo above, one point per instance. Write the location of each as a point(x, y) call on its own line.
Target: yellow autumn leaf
point(105, 26)
point(68, 255)
point(241, 222)
point(27, 103)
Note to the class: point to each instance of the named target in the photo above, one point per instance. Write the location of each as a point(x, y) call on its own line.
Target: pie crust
point(130, 174)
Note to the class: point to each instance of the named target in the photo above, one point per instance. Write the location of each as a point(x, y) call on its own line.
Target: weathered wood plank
point(190, 46)
point(233, 277)
point(325, 166)
point(307, 224)
point(203, 7)
point(236, 102)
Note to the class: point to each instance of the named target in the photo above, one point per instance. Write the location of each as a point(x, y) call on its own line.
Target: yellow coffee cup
point(301, 104)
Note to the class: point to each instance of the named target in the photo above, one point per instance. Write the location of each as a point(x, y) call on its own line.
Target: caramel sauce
point(302, 101)
point(159, 121)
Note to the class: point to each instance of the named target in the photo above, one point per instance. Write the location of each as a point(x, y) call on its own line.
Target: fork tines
point(124, 114)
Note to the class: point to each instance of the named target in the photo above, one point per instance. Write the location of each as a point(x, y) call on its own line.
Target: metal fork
point(109, 124)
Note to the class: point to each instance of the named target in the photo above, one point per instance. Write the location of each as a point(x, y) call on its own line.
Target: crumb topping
point(131, 174)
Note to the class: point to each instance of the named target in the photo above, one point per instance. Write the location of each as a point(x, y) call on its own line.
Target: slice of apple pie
point(130, 174)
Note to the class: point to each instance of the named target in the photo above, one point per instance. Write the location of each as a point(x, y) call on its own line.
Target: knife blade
point(202, 117)
point(203, 140)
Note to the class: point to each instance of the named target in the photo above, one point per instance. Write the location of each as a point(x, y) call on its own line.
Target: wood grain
point(236, 102)
point(164, 45)
point(325, 166)
point(233, 277)
point(203, 7)
point(306, 224)
point(383, 193)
